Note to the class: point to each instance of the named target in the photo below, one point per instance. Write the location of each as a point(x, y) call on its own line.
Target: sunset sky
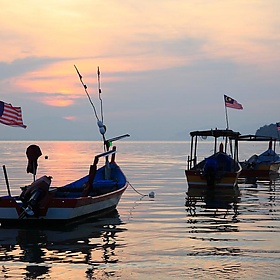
point(165, 66)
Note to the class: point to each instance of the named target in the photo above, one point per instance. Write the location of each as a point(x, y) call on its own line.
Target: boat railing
point(109, 142)
point(191, 162)
point(106, 154)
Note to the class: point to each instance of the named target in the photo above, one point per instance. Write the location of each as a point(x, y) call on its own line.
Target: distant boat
point(219, 170)
point(263, 166)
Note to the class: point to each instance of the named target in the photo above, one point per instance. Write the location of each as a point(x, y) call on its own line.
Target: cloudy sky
point(165, 66)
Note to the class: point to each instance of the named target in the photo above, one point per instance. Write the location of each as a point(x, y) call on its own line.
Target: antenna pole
point(102, 127)
point(99, 93)
point(85, 88)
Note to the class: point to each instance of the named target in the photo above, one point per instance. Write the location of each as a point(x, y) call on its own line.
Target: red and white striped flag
point(231, 103)
point(10, 115)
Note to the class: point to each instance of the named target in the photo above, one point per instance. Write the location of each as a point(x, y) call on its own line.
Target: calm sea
point(170, 236)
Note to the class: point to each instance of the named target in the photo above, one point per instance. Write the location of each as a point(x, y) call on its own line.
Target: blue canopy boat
point(95, 194)
point(263, 166)
point(220, 169)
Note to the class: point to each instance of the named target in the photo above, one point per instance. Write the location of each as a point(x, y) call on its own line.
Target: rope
point(136, 190)
point(99, 94)
point(85, 88)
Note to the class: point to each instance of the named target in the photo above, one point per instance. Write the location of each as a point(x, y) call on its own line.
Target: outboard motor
point(33, 194)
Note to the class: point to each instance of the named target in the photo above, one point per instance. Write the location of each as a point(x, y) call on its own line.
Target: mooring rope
point(150, 195)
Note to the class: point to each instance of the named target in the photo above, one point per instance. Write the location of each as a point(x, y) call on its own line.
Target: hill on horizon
point(269, 130)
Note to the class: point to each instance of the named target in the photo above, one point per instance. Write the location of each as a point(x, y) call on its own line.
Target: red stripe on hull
point(81, 201)
point(75, 208)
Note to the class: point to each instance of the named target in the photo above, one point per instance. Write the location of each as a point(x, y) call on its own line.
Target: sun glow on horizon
point(154, 56)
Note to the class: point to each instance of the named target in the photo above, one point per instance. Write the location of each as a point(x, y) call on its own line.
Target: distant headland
point(269, 130)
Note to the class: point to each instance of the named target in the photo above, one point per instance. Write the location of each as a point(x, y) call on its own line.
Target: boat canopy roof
point(217, 133)
point(250, 137)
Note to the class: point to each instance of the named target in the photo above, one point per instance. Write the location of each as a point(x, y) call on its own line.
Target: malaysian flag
point(278, 126)
point(231, 103)
point(10, 115)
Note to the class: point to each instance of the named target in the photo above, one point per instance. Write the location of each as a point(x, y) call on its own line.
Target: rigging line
point(136, 190)
point(85, 88)
point(99, 93)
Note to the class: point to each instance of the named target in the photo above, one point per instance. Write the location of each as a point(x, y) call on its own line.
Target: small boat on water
point(93, 195)
point(263, 166)
point(219, 170)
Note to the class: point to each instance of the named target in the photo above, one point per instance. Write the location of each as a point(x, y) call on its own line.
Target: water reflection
point(272, 178)
point(261, 203)
point(212, 210)
point(92, 243)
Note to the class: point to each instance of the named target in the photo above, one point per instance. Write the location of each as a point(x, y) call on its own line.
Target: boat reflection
point(93, 242)
point(212, 204)
point(271, 178)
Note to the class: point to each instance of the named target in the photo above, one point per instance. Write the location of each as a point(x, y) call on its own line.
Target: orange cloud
point(57, 101)
point(70, 118)
point(122, 40)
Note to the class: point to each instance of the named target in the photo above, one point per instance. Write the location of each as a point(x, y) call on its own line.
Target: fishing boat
point(95, 194)
point(220, 169)
point(263, 166)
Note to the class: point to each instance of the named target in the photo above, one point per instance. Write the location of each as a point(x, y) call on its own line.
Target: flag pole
point(227, 127)
point(226, 117)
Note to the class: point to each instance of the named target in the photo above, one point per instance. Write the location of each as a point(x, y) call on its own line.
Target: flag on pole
point(231, 103)
point(278, 126)
point(10, 115)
